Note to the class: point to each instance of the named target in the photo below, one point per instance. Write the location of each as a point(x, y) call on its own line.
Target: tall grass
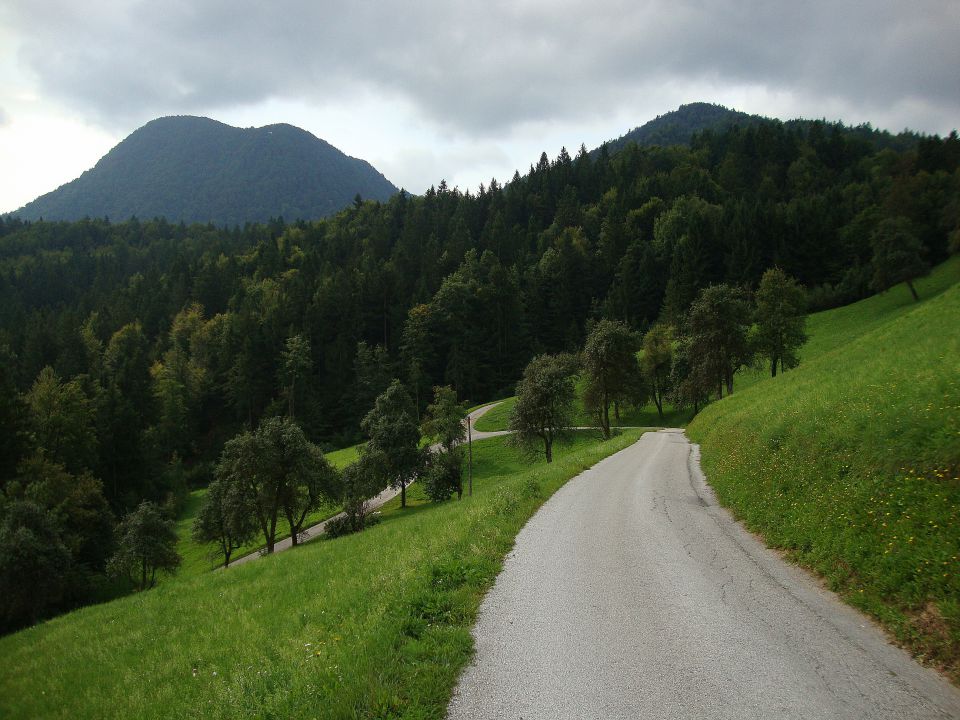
point(851, 462)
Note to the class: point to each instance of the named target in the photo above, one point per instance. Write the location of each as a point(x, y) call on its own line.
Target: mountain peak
point(678, 127)
point(196, 169)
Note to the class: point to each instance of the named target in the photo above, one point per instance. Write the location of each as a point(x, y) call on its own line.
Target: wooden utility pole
point(470, 456)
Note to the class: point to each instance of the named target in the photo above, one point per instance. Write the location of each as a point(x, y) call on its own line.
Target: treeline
point(131, 352)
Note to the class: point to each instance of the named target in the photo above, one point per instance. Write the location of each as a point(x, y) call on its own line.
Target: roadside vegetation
point(851, 462)
point(375, 624)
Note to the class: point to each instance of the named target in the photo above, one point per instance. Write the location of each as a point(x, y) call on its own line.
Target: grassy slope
point(851, 462)
point(371, 625)
point(199, 558)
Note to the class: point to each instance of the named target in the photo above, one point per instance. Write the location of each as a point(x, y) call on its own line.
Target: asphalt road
point(632, 594)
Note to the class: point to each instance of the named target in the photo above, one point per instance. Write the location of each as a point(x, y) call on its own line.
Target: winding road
point(632, 594)
point(373, 503)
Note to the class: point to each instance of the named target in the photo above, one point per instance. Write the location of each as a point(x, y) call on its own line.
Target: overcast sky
point(435, 90)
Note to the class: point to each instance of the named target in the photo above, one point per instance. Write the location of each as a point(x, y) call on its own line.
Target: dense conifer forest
point(130, 352)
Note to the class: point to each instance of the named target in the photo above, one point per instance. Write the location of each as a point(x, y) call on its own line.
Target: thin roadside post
point(470, 456)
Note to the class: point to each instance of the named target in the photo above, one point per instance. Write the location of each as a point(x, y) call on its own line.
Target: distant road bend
point(632, 594)
point(373, 503)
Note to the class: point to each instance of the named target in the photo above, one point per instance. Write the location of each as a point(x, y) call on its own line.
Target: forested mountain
point(199, 170)
point(679, 126)
point(131, 351)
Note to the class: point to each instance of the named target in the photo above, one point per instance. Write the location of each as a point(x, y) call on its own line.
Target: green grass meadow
point(372, 625)
point(851, 462)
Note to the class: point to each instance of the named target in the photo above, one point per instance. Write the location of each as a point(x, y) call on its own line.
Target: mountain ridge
point(680, 126)
point(196, 169)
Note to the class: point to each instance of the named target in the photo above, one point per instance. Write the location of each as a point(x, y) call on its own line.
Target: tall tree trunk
point(403, 494)
point(773, 368)
point(293, 529)
point(913, 291)
point(272, 537)
point(548, 446)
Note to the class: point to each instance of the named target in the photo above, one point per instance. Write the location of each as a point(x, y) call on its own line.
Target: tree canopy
point(544, 408)
point(718, 324)
point(274, 471)
point(394, 441)
point(610, 365)
point(781, 318)
point(146, 543)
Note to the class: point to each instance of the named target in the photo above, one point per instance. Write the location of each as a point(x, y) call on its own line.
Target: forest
point(131, 352)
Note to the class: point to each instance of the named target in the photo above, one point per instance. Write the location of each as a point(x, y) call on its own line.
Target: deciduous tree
point(443, 422)
point(897, 255)
point(146, 543)
point(610, 364)
point(657, 363)
point(544, 407)
point(394, 438)
point(35, 565)
point(277, 471)
point(780, 313)
point(63, 421)
point(361, 481)
point(718, 323)
point(226, 518)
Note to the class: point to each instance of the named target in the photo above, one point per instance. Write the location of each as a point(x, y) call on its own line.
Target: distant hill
point(199, 170)
point(679, 126)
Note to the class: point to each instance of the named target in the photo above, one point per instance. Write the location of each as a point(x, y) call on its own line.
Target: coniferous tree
point(295, 363)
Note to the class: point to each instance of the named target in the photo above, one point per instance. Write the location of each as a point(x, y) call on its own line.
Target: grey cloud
point(482, 69)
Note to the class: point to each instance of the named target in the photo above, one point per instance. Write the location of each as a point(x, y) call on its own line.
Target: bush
point(348, 524)
point(442, 477)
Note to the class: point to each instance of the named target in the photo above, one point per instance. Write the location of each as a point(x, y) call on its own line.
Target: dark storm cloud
point(485, 67)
